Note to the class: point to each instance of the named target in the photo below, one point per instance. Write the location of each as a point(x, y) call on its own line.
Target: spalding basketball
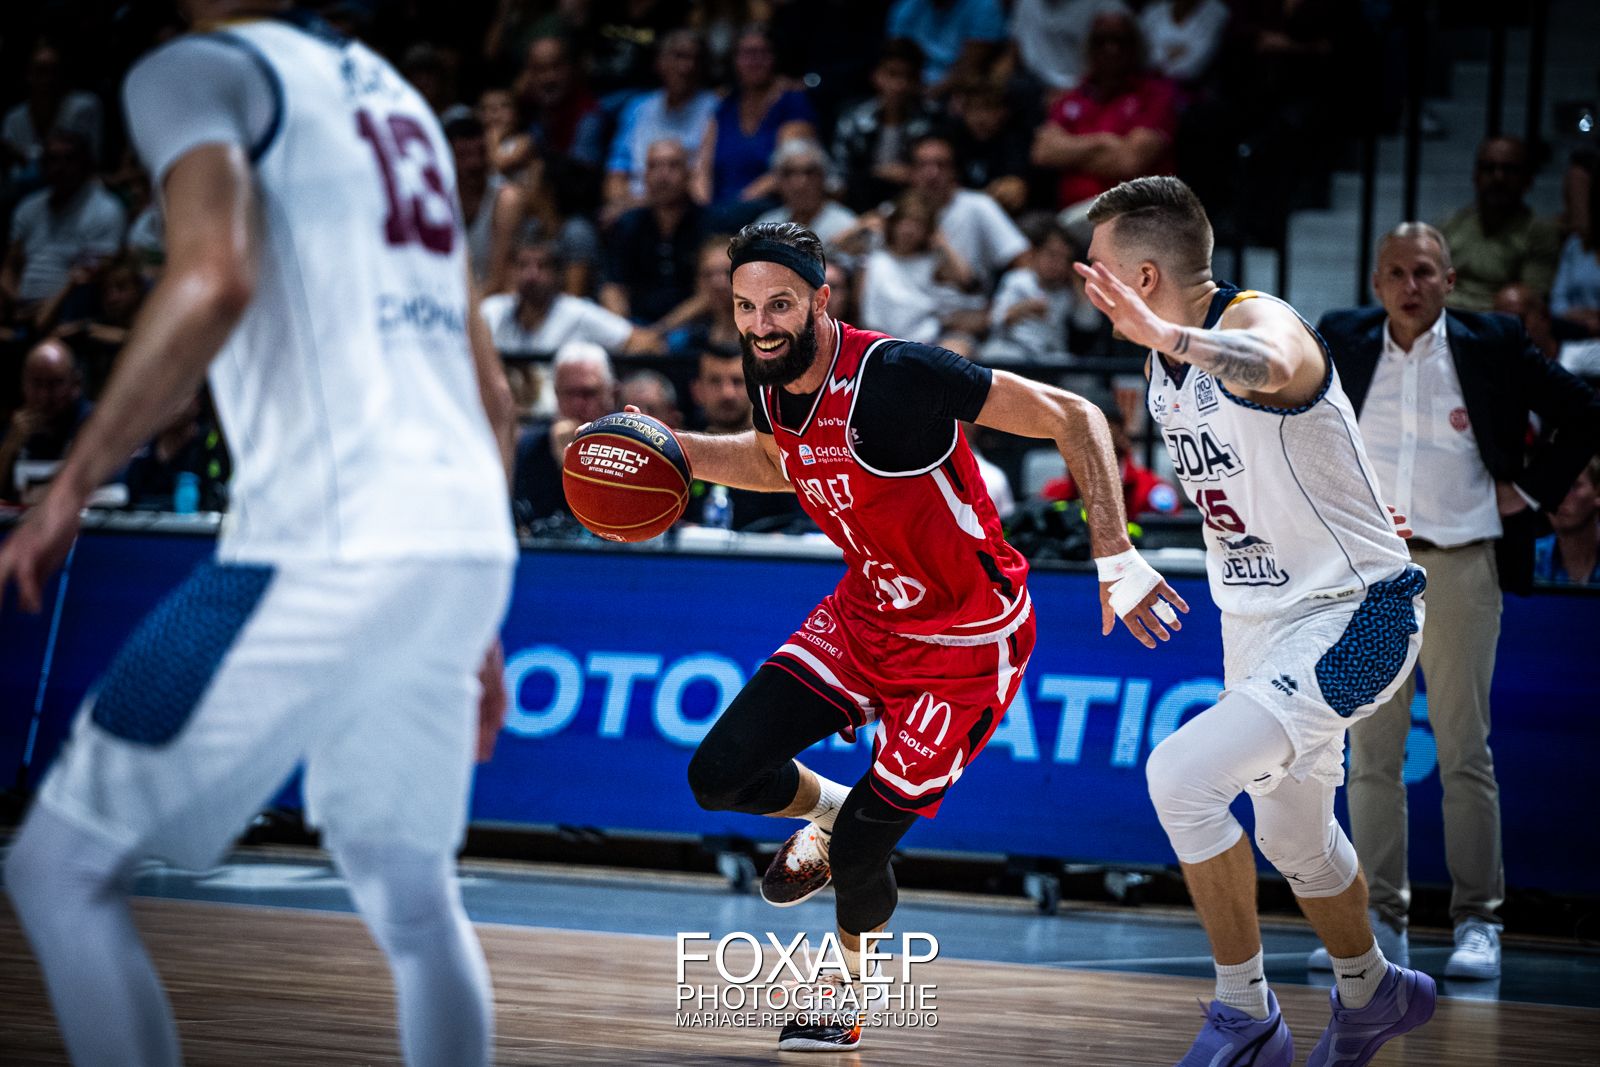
point(626, 477)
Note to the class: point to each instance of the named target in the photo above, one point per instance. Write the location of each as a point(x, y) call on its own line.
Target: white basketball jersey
point(1291, 505)
point(348, 390)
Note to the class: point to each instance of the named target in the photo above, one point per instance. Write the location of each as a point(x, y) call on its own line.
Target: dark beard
point(786, 368)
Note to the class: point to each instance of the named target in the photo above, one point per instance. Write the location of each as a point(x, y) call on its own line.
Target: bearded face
point(777, 357)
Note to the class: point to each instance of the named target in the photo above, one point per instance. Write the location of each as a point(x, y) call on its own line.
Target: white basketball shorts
point(1326, 666)
point(365, 673)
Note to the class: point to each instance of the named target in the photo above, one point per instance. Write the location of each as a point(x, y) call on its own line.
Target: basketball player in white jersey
point(317, 274)
point(1321, 619)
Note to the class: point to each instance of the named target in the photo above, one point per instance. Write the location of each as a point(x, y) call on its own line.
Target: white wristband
point(1131, 579)
point(1113, 567)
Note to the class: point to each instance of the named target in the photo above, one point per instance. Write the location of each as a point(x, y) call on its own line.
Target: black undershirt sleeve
point(758, 408)
point(912, 396)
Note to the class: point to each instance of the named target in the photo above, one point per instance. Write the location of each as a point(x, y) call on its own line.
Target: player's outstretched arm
point(1130, 589)
point(747, 460)
point(212, 240)
point(1261, 349)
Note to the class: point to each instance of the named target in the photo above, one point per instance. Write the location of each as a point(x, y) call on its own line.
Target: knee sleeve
point(1304, 843)
point(865, 834)
point(723, 780)
point(1191, 800)
point(746, 763)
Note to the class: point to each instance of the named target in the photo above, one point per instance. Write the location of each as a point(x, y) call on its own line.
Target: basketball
point(626, 477)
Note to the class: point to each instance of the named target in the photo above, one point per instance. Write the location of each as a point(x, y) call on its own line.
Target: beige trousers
point(1459, 635)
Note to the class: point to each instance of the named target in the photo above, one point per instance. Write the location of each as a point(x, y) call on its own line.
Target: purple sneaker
point(1231, 1038)
point(1404, 1001)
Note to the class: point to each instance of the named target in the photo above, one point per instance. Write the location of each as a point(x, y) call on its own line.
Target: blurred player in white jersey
point(1321, 620)
point(317, 273)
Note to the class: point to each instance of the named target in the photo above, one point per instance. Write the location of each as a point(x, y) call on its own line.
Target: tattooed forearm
point(1238, 357)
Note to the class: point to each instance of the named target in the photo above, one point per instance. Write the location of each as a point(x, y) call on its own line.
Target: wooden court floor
point(291, 987)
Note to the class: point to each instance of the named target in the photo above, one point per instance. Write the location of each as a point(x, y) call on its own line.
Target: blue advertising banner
point(618, 663)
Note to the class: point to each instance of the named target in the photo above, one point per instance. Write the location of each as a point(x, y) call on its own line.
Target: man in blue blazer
point(1444, 400)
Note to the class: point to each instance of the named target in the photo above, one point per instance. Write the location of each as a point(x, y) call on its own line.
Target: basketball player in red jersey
point(929, 631)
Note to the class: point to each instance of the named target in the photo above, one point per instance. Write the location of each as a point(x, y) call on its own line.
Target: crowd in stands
point(945, 151)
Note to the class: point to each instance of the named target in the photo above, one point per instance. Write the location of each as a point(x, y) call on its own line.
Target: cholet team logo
point(820, 622)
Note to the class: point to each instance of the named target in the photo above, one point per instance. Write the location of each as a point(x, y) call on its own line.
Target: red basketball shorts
point(935, 706)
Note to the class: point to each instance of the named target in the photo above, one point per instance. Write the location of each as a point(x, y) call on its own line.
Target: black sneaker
point(833, 1031)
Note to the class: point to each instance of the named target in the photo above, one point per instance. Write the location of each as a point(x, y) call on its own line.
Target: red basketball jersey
point(924, 553)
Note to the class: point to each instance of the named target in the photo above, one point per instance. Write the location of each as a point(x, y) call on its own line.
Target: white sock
point(1359, 976)
point(852, 960)
point(1244, 986)
point(830, 799)
point(411, 903)
point(868, 997)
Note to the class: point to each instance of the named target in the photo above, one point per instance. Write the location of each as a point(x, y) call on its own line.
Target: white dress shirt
point(1415, 427)
point(570, 318)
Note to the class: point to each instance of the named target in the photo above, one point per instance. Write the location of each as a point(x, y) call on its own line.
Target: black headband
point(765, 251)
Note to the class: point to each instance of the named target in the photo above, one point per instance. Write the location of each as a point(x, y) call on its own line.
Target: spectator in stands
point(976, 228)
point(841, 282)
point(872, 143)
point(1443, 399)
point(718, 390)
point(538, 318)
point(1051, 37)
point(565, 117)
point(1533, 311)
point(724, 406)
point(190, 444)
point(651, 251)
point(491, 206)
point(961, 39)
point(548, 199)
point(1575, 294)
point(1497, 239)
point(1118, 124)
point(719, 23)
point(910, 285)
point(145, 241)
point(654, 394)
point(733, 173)
point(802, 171)
point(72, 222)
point(706, 318)
point(624, 38)
point(681, 110)
point(94, 315)
point(517, 24)
point(1183, 37)
point(1143, 491)
point(1571, 554)
point(1032, 309)
point(511, 147)
point(49, 106)
point(585, 388)
point(992, 150)
point(431, 71)
point(40, 431)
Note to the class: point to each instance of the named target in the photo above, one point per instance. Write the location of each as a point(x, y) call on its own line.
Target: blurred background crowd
point(945, 151)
